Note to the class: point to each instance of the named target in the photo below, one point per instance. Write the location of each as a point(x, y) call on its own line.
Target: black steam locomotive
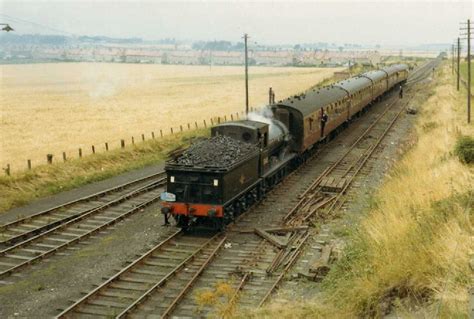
point(217, 179)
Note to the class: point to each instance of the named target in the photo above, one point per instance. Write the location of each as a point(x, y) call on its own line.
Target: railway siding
point(71, 231)
point(27, 227)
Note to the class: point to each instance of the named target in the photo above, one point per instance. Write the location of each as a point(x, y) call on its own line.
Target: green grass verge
point(21, 188)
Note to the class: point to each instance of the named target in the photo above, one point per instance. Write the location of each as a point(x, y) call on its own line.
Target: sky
point(267, 22)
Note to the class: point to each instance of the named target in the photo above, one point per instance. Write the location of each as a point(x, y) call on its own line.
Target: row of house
point(189, 56)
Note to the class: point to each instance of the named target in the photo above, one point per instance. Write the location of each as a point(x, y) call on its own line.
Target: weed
point(464, 149)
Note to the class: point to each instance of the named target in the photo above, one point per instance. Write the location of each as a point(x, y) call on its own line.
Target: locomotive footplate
point(333, 184)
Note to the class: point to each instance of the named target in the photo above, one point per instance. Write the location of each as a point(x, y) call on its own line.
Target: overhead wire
point(18, 20)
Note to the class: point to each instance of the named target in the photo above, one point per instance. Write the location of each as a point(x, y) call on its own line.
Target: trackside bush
point(464, 149)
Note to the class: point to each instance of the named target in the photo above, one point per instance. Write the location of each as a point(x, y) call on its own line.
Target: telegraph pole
point(458, 60)
point(468, 69)
point(246, 76)
point(210, 59)
point(452, 59)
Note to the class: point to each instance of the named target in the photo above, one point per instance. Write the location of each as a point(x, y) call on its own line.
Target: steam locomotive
point(203, 192)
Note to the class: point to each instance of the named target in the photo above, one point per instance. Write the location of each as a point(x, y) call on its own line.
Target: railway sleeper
point(120, 293)
point(126, 285)
point(152, 272)
point(92, 311)
point(108, 302)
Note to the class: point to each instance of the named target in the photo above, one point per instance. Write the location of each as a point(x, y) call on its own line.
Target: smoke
point(103, 89)
point(265, 115)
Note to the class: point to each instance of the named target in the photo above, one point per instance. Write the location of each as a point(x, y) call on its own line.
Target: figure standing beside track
point(400, 92)
point(324, 119)
point(166, 214)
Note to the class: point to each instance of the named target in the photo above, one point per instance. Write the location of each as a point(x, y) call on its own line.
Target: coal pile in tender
point(218, 151)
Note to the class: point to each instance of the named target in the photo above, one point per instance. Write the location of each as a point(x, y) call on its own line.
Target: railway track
point(146, 286)
point(27, 227)
point(423, 72)
point(48, 238)
point(260, 248)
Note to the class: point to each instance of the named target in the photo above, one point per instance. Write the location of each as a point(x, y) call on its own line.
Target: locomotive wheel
point(228, 218)
point(182, 221)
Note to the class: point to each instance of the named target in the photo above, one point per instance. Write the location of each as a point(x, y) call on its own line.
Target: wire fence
point(88, 149)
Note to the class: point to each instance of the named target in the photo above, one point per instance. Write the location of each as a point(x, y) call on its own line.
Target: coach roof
point(313, 99)
point(395, 68)
point(355, 84)
point(375, 75)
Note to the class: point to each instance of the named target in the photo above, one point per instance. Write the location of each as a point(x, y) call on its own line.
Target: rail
point(16, 228)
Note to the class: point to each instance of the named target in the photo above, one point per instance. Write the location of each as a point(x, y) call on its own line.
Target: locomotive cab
point(246, 131)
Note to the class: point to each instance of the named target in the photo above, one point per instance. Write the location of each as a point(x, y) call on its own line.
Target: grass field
point(51, 108)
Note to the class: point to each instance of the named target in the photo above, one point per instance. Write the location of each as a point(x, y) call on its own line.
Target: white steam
point(265, 115)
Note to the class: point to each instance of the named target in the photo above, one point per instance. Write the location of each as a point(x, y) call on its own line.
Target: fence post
point(153, 135)
point(189, 126)
point(64, 156)
point(205, 125)
point(106, 146)
point(133, 140)
point(49, 158)
point(29, 164)
point(231, 117)
point(80, 152)
point(122, 143)
point(171, 131)
point(143, 137)
point(93, 149)
point(225, 118)
point(161, 133)
point(7, 170)
point(196, 124)
point(181, 128)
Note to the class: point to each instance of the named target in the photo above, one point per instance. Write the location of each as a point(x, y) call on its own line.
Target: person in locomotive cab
point(324, 119)
point(400, 92)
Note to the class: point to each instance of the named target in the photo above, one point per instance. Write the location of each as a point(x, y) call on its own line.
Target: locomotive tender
point(215, 195)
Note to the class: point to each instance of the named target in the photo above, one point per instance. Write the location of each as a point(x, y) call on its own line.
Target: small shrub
point(464, 149)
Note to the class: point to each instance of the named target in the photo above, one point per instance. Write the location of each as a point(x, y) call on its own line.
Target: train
point(206, 192)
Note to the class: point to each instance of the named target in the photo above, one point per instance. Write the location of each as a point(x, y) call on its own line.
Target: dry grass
point(411, 254)
point(216, 298)
point(43, 180)
point(51, 108)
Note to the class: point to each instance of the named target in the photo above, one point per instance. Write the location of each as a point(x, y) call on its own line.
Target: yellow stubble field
point(55, 108)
